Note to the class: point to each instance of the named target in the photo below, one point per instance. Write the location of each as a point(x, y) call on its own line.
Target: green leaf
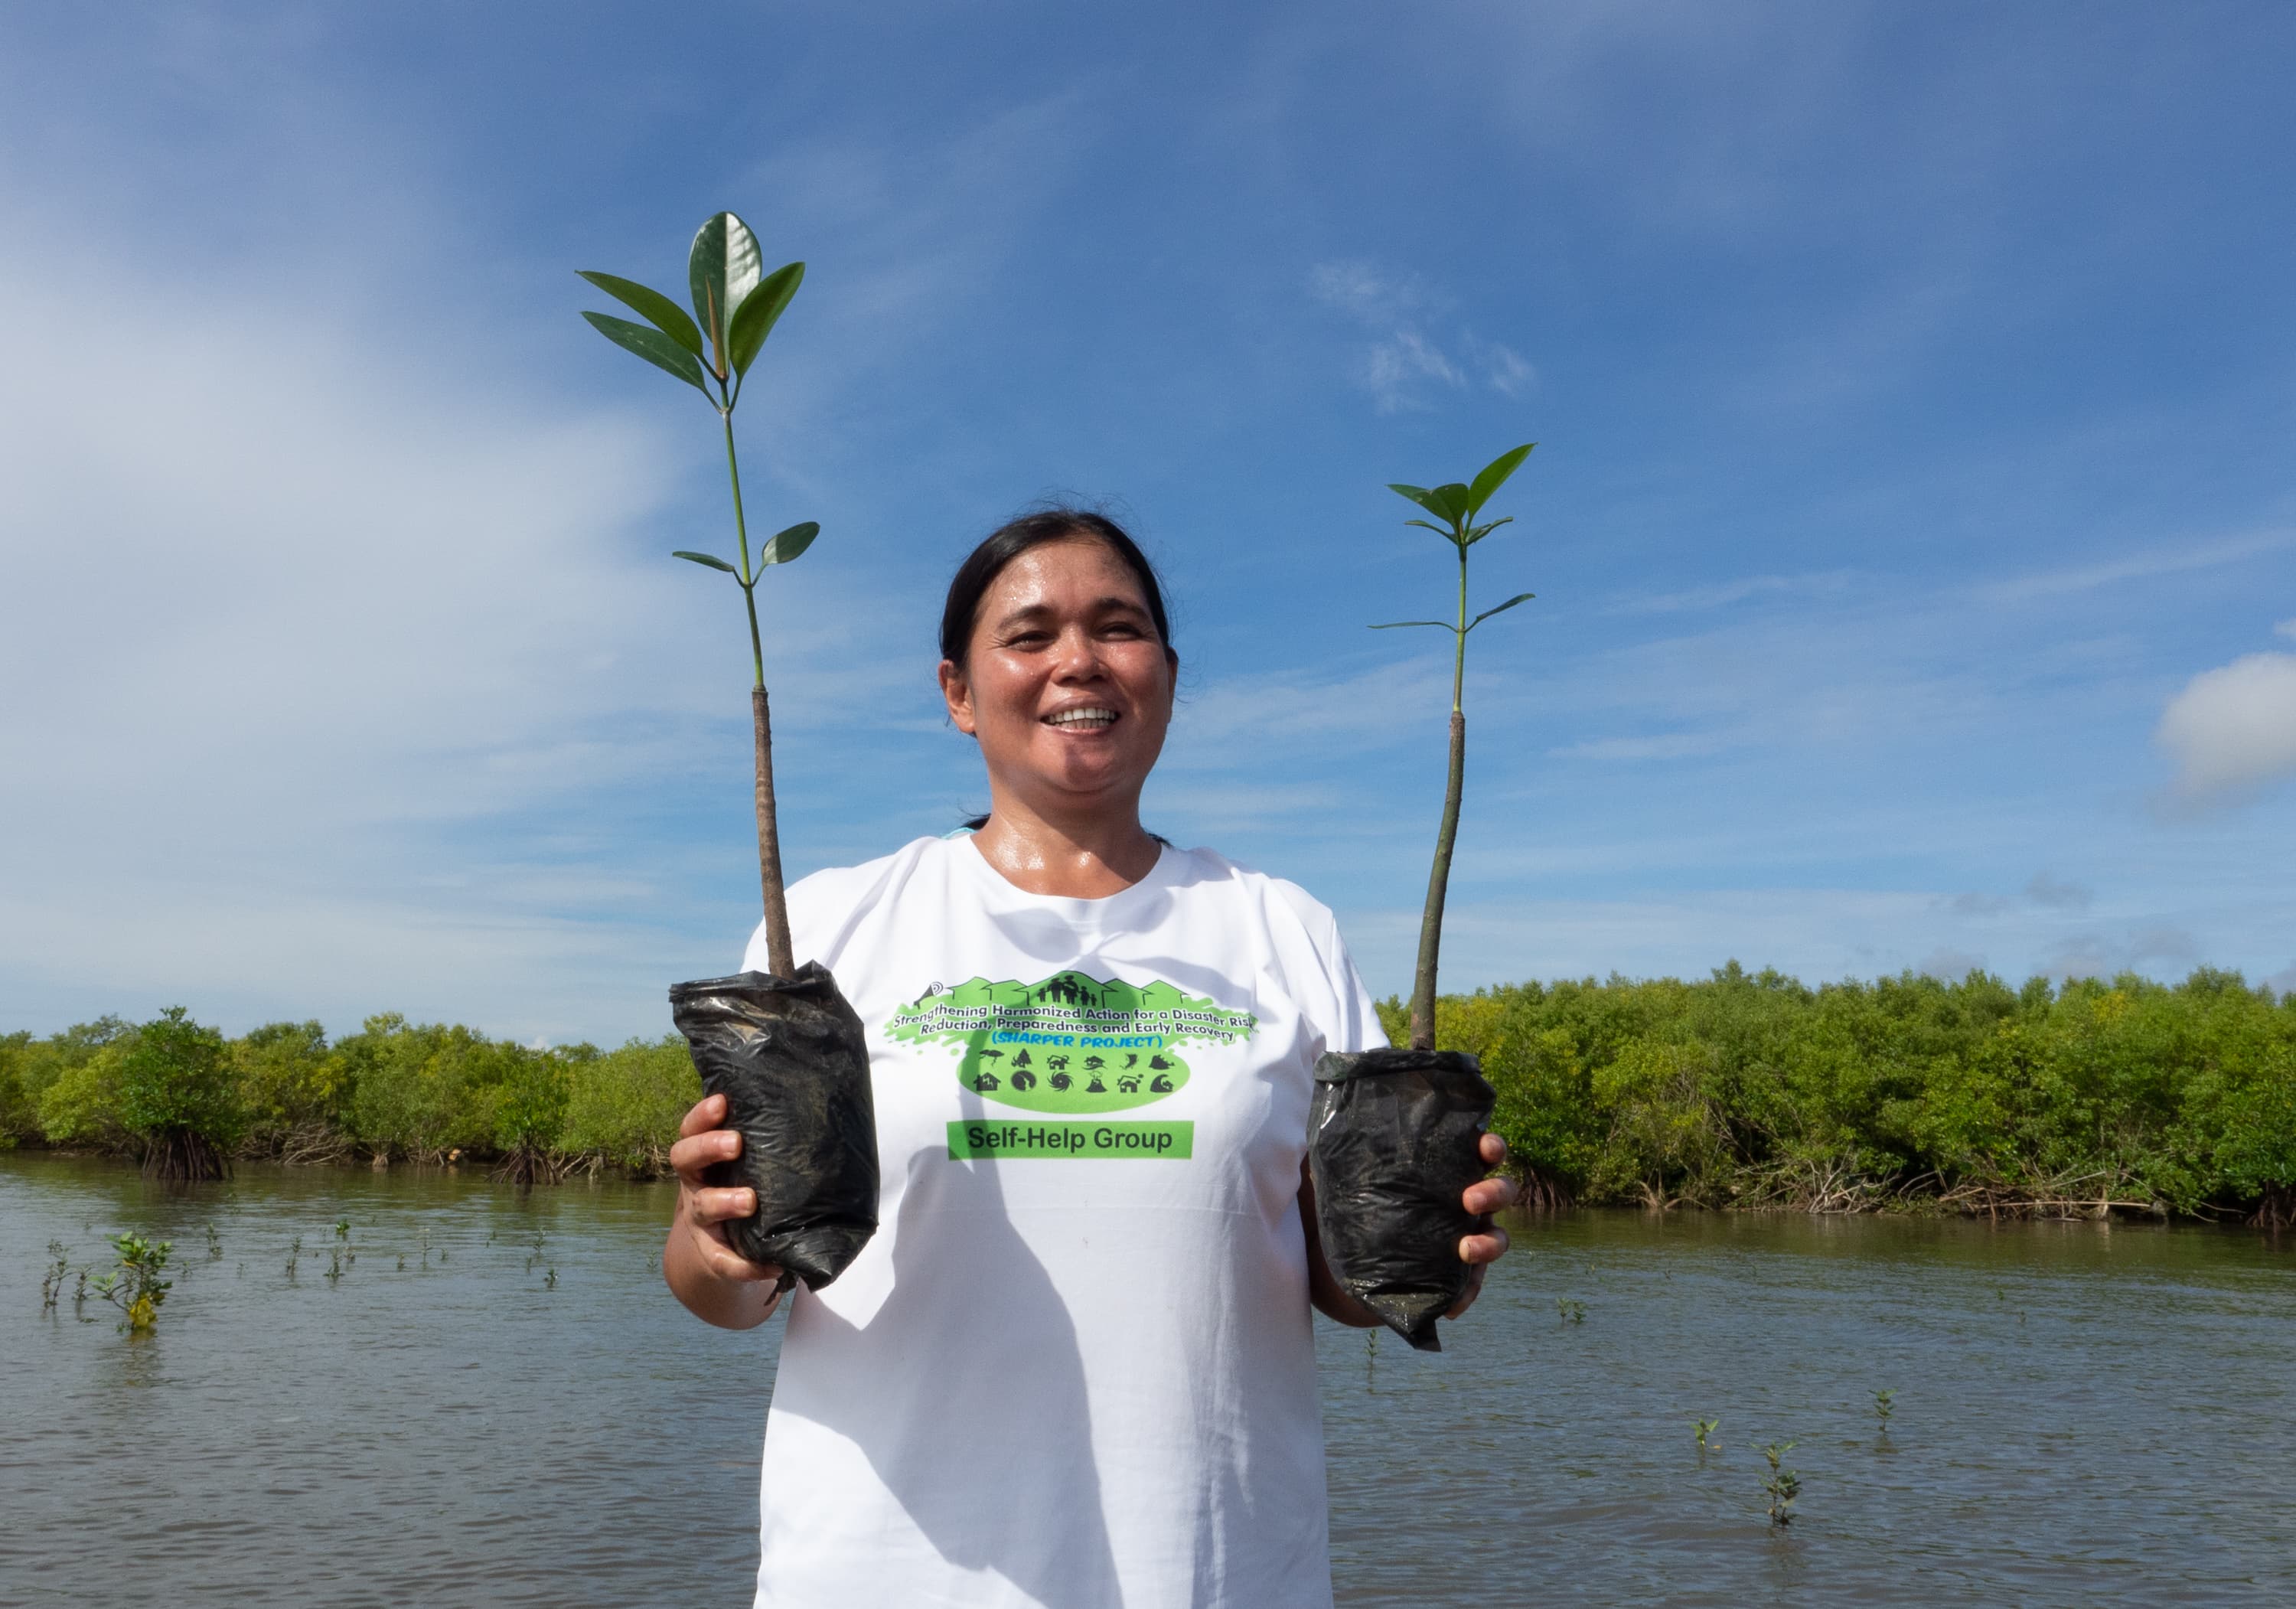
point(1494, 475)
point(722, 269)
point(1391, 625)
point(759, 311)
point(788, 544)
point(1450, 502)
point(651, 344)
point(1450, 536)
point(703, 558)
point(1477, 533)
point(1421, 496)
point(664, 314)
point(1518, 598)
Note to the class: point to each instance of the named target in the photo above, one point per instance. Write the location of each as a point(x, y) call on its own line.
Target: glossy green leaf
point(664, 314)
point(1448, 535)
point(1495, 473)
point(759, 311)
point(1420, 496)
point(788, 544)
point(1450, 501)
point(1393, 625)
point(1477, 533)
point(651, 344)
point(703, 558)
point(1501, 609)
point(722, 269)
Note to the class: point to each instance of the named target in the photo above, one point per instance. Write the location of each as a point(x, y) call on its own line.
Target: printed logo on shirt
point(1068, 1044)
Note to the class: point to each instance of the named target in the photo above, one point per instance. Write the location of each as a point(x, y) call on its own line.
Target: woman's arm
point(1483, 1197)
point(718, 1284)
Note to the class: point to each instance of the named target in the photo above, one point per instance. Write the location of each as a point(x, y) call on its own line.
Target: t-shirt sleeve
point(1332, 996)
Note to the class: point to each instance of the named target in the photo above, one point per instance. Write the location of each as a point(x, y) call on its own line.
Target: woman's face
point(1066, 684)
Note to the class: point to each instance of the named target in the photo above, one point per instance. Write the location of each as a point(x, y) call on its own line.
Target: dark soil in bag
point(1394, 1137)
point(790, 1058)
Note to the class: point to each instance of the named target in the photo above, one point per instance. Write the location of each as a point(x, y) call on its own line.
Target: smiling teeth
point(1081, 717)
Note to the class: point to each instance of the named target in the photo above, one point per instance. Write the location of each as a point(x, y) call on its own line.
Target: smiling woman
point(1091, 1057)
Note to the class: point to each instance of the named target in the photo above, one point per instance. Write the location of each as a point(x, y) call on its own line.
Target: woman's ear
point(957, 693)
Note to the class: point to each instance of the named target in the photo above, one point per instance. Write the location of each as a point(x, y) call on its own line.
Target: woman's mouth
point(1085, 717)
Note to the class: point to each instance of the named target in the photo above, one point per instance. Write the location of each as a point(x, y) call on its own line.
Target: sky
point(1913, 520)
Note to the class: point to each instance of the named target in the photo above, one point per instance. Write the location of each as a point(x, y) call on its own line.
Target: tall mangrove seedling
point(784, 1048)
point(1395, 1134)
point(1458, 506)
point(736, 307)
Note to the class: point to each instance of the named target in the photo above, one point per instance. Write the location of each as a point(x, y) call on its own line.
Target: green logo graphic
point(1068, 1044)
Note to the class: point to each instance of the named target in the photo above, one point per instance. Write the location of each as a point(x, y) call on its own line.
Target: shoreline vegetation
point(1744, 1090)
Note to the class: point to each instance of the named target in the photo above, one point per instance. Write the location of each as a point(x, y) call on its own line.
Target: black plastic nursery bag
point(1394, 1139)
point(789, 1057)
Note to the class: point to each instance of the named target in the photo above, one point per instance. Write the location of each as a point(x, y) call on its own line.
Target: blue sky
point(1913, 519)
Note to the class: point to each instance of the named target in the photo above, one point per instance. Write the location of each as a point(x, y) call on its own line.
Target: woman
point(1075, 1366)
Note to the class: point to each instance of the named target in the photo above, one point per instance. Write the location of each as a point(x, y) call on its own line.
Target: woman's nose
point(1075, 656)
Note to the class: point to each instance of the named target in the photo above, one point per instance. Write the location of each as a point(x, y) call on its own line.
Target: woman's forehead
point(1075, 572)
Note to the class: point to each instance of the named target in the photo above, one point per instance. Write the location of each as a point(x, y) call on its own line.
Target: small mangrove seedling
point(1705, 1441)
point(342, 1228)
point(1783, 1486)
point(1881, 1404)
point(294, 1255)
point(1571, 1312)
point(334, 1263)
point(52, 1283)
point(402, 1262)
point(1456, 506)
point(736, 304)
point(79, 1299)
point(135, 1286)
point(215, 1244)
point(550, 1280)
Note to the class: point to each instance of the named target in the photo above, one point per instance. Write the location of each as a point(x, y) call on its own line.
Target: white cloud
point(2168, 559)
point(1404, 362)
point(2232, 729)
point(2286, 629)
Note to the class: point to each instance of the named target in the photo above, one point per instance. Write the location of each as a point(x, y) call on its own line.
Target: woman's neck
point(1087, 857)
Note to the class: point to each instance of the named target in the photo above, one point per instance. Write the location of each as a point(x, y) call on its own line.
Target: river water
point(2082, 1414)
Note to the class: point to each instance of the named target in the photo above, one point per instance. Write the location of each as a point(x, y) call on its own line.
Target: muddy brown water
point(2084, 1413)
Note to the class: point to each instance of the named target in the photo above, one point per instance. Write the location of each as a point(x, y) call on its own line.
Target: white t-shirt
point(1074, 1367)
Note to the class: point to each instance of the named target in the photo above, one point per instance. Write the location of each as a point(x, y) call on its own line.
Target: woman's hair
point(1061, 522)
point(1058, 523)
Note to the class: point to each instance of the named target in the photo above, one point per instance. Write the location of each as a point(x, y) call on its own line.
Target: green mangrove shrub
point(178, 1098)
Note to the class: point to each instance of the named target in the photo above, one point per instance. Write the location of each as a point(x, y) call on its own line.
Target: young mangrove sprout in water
point(736, 306)
point(1572, 1312)
point(550, 1280)
point(342, 1228)
point(294, 1255)
point(402, 1262)
point(1456, 506)
point(215, 1244)
point(1881, 1405)
point(1783, 1485)
point(135, 1286)
point(52, 1283)
point(1705, 1441)
point(334, 1263)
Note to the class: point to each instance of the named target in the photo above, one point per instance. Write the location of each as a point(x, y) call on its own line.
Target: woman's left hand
point(1483, 1198)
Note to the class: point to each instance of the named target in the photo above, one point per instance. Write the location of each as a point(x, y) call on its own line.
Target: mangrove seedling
point(550, 1280)
point(736, 307)
point(759, 1038)
point(1395, 1133)
point(294, 1255)
point(1783, 1486)
point(135, 1286)
point(1571, 1312)
point(1458, 506)
point(52, 1283)
point(1706, 1442)
point(334, 1263)
point(342, 1228)
point(1881, 1405)
point(215, 1244)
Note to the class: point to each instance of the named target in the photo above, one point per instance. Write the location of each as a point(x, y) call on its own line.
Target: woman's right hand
point(716, 1282)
